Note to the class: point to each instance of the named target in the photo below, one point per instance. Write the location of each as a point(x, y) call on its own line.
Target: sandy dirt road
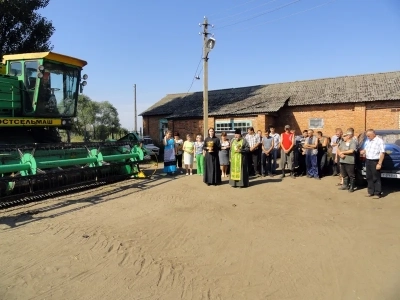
point(179, 239)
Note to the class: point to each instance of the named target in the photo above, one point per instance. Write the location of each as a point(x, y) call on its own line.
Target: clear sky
point(156, 45)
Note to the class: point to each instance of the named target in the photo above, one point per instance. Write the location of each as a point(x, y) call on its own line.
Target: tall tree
point(87, 112)
point(102, 132)
point(22, 28)
point(100, 118)
point(123, 131)
point(108, 116)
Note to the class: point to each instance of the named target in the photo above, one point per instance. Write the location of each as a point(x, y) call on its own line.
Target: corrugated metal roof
point(270, 98)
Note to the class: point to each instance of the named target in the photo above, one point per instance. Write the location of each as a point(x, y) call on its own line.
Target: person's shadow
point(263, 180)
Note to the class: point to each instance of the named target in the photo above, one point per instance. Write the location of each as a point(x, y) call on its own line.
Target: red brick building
point(361, 102)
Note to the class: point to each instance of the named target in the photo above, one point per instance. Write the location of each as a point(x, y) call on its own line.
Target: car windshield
point(391, 138)
point(147, 141)
point(58, 91)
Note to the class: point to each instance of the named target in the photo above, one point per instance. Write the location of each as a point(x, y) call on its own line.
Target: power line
point(285, 17)
point(233, 7)
point(242, 12)
point(200, 71)
point(195, 73)
point(258, 15)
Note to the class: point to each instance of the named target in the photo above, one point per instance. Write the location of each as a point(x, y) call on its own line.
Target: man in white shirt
point(374, 151)
point(335, 140)
point(277, 142)
point(254, 142)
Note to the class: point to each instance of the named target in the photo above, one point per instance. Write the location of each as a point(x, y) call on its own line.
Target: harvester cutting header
point(38, 97)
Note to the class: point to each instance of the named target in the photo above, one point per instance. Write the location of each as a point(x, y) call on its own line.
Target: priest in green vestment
point(239, 174)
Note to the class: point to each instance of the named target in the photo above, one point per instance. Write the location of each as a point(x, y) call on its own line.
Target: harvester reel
point(27, 158)
point(31, 171)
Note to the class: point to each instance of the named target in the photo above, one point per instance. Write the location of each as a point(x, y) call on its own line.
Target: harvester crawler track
point(35, 172)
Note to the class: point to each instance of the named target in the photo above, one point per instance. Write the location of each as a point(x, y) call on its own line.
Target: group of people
point(213, 157)
point(347, 149)
point(256, 155)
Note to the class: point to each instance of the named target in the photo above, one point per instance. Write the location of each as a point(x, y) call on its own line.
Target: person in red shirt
point(287, 144)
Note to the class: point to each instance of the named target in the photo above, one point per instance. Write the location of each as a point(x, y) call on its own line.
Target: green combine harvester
point(38, 99)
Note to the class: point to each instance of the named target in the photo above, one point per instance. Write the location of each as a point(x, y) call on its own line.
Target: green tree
point(108, 116)
point(22, 28)
point(100, 119)
point(102, 132)
point(87, 112)
point(123, 132)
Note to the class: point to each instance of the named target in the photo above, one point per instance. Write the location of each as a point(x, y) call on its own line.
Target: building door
point(163, 127)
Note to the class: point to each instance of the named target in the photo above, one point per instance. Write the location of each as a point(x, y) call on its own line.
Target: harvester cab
point(40, 89)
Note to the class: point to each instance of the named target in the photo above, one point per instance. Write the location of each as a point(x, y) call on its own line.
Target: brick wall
point(151, 127)
point(191, 126)
point(383, 115)
point(376, 115)
point(260, 123)
point(270, 120)
point(145, 125)
point(339, 115)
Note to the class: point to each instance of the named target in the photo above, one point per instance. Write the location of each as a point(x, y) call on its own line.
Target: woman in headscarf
point(239, 176)
point(212, 171)
point(169, 153)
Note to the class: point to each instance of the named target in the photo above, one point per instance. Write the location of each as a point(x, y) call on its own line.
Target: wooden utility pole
point(205, 78)
point(134, 91)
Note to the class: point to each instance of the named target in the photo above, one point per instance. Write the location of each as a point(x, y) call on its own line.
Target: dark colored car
point(391, 162)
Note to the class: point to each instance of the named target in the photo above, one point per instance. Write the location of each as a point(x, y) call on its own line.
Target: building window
point(316, 123)
point(242, 125)
point(232, 125)
point(223, 125)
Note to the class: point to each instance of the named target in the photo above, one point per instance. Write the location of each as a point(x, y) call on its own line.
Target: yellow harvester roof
point(48, 55)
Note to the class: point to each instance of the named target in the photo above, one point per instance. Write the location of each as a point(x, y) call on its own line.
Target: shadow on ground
point(86, 199)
